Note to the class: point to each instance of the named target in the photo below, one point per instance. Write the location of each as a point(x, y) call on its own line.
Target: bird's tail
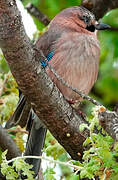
point(35, 142)
point(21, 114)
point(25, 116)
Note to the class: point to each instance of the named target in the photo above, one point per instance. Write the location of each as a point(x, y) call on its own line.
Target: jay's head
point(79, 16)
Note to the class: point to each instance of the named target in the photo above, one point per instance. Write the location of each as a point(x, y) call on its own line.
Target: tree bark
point(6, 142)
point(100, 7)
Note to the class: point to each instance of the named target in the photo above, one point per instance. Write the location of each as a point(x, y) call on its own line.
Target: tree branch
point(37, 13)
point(100, 7)
point(109, 121)
point(48, 103)
point(6, 142)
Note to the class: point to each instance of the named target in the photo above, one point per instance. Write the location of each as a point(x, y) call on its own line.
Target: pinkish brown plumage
point(71, 36)
point(77, 63)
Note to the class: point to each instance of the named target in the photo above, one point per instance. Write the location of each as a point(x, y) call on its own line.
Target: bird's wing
point(47, 40)
point(76, 60)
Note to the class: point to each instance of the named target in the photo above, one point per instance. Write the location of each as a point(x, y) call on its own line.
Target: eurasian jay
point(72, 49)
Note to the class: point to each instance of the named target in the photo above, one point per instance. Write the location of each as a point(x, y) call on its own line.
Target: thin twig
point(18, 130)
point(50, 160)
point(105, 174)
point(81, 94)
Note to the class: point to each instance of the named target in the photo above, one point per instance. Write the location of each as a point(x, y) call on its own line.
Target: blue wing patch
point(49, 57)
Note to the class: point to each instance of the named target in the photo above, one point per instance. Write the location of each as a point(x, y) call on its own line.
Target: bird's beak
point(101, 26)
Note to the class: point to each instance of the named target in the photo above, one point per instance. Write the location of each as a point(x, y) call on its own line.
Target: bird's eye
point(86, 19)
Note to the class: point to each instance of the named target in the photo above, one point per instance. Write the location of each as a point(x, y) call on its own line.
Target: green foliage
point(48, 174)
point(3, 65)
point(21, 166)
point(107, 83)
point(8, 91)
point(18, 168)
point(52, 147)
point(7, 170)
point(99, 159)
point(66, 170)
point(8, 99)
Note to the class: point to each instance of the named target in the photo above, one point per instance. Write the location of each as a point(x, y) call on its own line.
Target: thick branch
point(109, 121)
point(45, 98)
point(100, 7)
point(7, 143)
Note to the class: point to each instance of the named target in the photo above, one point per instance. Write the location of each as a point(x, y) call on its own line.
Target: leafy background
point(105, 91)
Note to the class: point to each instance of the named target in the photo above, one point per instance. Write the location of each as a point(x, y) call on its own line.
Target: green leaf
point(83, 127)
